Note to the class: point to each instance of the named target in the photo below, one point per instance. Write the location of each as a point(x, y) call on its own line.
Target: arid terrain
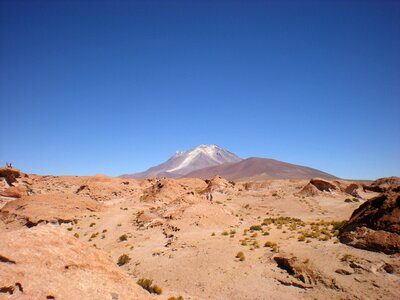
point(96, 237)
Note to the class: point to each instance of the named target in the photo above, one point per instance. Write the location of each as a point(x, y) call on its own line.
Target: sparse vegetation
point(94, 235)
point(256, 227)
point(349, 258)
point(123, 237)
point(200, 190)
point(274, 246)
point(225, 233)
point(240, 256)
point(123, 259)
point(348, 200)
point(148, 285)
point(76, 235)
point(92, 224)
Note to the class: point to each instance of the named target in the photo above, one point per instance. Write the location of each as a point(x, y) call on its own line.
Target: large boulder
point(351, 189)
point(375, 225)
point(323, 185)
point(383, 185)
point(10, 175)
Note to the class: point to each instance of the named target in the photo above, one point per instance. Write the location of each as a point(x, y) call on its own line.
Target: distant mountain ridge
point(206, 161)
point(184, 162)
point(260, 168)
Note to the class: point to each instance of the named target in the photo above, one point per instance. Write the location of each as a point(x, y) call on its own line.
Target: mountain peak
point(184, 162)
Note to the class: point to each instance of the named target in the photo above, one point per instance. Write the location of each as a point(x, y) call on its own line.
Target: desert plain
point(100, 237)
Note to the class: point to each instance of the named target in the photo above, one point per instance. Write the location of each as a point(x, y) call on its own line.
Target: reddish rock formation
point(44, 263)
point(308, 190)
point(387, 184)
point(14, 191)
point(10, 175)
point(375, 225)
point(322, 185)
point(47, 208)
point(351, 189)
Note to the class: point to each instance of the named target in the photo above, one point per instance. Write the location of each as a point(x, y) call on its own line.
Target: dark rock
point(351, 189)
point(389, 268)
point(10, 175)
point(375, 225)
point(383, 185)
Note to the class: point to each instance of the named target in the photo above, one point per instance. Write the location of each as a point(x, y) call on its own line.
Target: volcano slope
point(194, 238)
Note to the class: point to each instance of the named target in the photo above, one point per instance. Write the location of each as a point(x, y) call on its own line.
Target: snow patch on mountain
point(184, 162)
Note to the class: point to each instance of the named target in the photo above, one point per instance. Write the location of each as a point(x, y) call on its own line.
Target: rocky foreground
point(112, 238)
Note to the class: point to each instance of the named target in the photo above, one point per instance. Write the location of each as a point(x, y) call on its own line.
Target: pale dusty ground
point(175, 236)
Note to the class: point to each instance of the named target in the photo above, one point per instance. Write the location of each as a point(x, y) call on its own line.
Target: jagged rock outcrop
point(383, 185)
point(10, 175)
point(375, 225)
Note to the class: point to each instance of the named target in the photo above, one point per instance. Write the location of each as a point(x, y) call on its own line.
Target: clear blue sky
point(114, 87)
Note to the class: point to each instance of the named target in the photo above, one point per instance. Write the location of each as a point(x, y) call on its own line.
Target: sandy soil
point(187, 244)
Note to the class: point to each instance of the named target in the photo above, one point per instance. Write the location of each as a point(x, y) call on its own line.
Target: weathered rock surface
point(351, 189)
point(309, 190)
point(44, 208)
point(14, 191)
point(386, 184)
point(297, 269)
point(375, 225)
point(44, 263)
point(10, 174)
point(323, 185)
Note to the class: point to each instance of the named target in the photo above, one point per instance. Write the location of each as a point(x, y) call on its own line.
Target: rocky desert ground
point(113, 238)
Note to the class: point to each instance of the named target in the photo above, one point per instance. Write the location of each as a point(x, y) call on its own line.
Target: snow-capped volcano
point(184, 162)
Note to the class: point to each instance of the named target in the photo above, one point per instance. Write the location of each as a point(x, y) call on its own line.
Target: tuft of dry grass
point(148, 285)
point(123, 259)
point(241, 256)
point(274, 246)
